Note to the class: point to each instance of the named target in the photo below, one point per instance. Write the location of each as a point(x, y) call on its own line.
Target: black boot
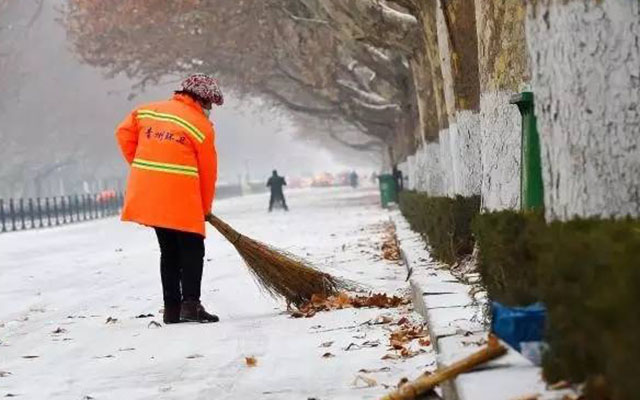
point(171, 314)
point(193, 311)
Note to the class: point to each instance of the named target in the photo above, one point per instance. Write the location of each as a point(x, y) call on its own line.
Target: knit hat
point(204, 87)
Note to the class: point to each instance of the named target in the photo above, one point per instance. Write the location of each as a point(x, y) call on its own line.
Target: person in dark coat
point(353, 179)
point(276, 183)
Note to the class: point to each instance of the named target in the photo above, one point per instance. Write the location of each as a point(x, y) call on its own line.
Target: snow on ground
point(59, 286)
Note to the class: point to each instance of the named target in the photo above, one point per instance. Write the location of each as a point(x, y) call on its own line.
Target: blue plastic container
point(517, 325)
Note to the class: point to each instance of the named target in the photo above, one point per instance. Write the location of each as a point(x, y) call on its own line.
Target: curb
point(453, 320)
point(449, 390)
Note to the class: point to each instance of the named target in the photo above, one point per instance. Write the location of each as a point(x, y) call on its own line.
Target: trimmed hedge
point(444, 222)
point(508, 255)
point(587, 272)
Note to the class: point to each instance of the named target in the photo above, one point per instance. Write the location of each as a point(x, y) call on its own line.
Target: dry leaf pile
point(390, 248)
point(344, 300)
point(401, 339)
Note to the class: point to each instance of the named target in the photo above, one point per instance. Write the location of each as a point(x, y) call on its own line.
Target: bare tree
point(344, 62)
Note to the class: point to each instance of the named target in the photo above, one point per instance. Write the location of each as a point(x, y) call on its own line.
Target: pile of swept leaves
point(390, 248)
point(344, 300)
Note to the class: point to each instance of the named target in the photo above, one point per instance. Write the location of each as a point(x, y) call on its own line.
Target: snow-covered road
point(58, 287)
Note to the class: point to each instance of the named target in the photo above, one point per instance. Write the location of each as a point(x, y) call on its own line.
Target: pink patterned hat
point(204, 87)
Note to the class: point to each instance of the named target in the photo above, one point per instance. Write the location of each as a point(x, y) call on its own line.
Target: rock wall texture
point(465, 152)
point(586, 80)
point(457, 41)
point(424, 170)
point(502, 53)
point(500, 131)
point(479, 154)
point(446, 162)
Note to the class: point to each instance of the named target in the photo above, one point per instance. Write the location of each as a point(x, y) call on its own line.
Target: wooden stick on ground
point(412, 390)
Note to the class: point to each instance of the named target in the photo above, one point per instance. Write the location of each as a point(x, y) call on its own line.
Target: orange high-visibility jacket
point(170, 147)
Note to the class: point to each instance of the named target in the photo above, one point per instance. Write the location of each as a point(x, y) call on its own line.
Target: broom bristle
point(278, 272)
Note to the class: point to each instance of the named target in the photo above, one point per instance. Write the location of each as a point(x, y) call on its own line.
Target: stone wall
point(500, 126)
point(466, 143)
point(581, 59)
point(424, 170)
point(586, 79)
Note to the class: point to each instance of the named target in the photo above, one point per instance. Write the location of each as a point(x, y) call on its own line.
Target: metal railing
point(36, 213)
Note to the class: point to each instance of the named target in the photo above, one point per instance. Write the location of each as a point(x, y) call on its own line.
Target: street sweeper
point(170, 147)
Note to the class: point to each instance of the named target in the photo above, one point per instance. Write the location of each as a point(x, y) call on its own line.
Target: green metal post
point(531, 189)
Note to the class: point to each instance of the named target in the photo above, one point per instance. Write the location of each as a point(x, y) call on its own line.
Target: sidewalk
point(454, 320)
point(60, 287)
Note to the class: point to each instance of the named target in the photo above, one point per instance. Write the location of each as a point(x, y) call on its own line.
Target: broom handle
point(225, 229)
point(423, 384)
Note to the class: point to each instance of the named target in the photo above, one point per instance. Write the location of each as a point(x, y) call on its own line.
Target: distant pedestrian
point(353, 179)
point(170, 148)
point(398, 179)
point(276, 183)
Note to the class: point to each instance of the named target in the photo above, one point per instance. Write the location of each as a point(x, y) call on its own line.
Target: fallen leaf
point(145, 316)
point(559, 385)
point(380, 320)
point(30, 357)
point(343, 300)
point(369, 382)
point(370, 371)
point(154, 324)
point(402, 321)
point(4, 374)
point(59, 331)
point(424, 342)
point(407, 353)
point(327, 355)
point(352, 346)
point(107, 356)
point(326, 344)
point(403, 381)
point(193, 356)
point(251, 361)
point(111, 320)
point(397, 344)
point(390, 356)
point(127, 349)
point(371, 343)
point(527, 397)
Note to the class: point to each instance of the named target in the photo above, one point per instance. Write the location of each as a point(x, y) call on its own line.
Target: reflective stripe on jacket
point(170, 147)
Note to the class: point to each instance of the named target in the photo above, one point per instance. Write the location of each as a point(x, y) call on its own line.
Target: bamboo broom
point(411, 390)
point(279, 273)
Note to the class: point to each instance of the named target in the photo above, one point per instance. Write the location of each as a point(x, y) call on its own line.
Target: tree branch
point(297, 107)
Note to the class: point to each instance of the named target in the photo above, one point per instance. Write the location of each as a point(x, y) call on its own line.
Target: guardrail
point(36, 213)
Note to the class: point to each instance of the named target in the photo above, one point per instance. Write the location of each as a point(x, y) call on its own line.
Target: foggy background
point(58, 118)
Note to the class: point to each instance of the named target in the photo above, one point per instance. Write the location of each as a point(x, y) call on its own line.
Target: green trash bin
point(388, 193)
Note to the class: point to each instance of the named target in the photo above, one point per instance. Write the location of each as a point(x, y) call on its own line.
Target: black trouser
point(181, 262)
point(277, 196)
